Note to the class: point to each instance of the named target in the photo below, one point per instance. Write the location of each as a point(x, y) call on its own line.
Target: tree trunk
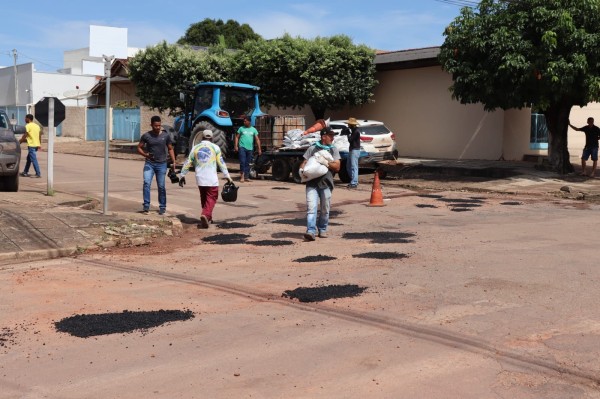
point(319, 113)
point(557, 121)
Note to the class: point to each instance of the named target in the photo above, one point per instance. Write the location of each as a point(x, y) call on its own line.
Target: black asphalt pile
point(84, 326)
point(381, 255)
point(234, 225)
point(381, 237)
point(270, 243)
point(6, 337)
point(323, 293)
point(430, 196)
point(511, 203)
point(425, 206)
point(223, 239)
point(457, 209)
point(464, 205)
point(291, 222)
point(280, 188)
point(315, 258)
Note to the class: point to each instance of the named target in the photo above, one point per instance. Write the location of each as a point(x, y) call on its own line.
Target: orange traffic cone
point(376, 195)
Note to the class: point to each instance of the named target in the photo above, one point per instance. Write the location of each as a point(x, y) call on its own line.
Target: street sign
point(41, 111)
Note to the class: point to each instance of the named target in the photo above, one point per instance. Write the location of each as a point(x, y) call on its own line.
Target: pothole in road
point(381, 237)
point(323, 293)
point(425, 206)
point(270, 243)
point(89, 325)
point(381, 255)
point(224, 239)
point(234, 225)
point(315, 258)
point(511, 203)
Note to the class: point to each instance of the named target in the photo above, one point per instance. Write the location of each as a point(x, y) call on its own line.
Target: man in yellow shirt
point(33, 139)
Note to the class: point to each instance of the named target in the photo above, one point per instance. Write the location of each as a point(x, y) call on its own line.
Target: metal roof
point(405, 59)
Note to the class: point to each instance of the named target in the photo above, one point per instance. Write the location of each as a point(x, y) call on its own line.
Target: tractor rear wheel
point(219, 137)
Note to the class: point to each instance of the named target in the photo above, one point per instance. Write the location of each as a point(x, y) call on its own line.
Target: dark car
point(10, 154)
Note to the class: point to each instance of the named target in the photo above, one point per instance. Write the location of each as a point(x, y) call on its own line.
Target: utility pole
point(16, 81)
point(107, 70)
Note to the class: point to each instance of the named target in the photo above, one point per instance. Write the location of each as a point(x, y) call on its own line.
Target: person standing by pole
point(154, 146)
point(353, 151)
point(33, 138)
point(244, 145)
point(205, 157)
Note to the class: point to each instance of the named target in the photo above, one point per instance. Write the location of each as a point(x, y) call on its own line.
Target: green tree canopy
point(160, 71)
point(210, 32)
point(324, 73)
point(517, 53)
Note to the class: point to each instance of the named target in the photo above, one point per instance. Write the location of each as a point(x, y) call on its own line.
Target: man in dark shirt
point(153, 146)
point(592, 134)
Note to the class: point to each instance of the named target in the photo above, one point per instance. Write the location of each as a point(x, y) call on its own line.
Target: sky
point(41, 30)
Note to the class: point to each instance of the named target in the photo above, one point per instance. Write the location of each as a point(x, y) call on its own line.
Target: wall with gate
point(126, 124)
point(96, 120)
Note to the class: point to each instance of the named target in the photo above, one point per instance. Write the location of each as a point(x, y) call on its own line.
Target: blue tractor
point(220, 107)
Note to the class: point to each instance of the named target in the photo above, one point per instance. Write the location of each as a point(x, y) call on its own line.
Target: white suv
point(377, 142)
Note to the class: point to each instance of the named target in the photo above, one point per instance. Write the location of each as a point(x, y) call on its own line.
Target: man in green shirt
point(244, 146)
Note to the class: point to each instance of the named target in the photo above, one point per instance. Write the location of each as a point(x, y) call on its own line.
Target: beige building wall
point(417, 106)
point(578, 118)
point(516, 136)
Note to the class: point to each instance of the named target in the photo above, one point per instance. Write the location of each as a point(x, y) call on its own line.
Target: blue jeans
point(245, 158)
point(160, 170)
point(352, 166)
point(32, 159)
point(313, 195)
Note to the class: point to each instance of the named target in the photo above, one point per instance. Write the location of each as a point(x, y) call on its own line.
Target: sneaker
point(145, 211)
point(322, 234)
point(161, 211)
point(203, 222)
point(24, 174)
point(37, 176)
point(351, 186)
point(309, 236)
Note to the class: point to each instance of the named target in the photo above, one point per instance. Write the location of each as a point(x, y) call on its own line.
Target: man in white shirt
point(205, 157)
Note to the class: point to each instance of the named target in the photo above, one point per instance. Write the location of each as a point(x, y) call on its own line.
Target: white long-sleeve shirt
point(205, 157)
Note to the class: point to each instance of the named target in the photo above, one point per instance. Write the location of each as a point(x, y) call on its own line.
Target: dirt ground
point(466, 295)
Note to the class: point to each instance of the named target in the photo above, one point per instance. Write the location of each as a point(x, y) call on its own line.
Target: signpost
point(50, 112)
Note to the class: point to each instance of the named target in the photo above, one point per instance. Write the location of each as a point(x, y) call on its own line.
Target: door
point(126, 124)
point(96, 121)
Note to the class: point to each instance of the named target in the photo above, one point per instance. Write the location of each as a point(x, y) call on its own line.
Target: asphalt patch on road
point(511, 203)
point(323, 293)
point(425, 206)
point(7, 337)
point(315, 258)
point(280, 188)
point(462, 200)
point(381, 237)
point(464, 205)
point(430, 196)
point(90, 325)
point(381, 255)
point(270, 243)
point(224, 239)
point(234, 225)
point(457, 209)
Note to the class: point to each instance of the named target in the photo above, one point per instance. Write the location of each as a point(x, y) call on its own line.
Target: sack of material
point(316, 166)
point(229, 192)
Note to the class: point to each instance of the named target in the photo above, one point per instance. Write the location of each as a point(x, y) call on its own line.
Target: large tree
point(160, 72)
point(519, 53)
point(324, 73)
point(210, 32)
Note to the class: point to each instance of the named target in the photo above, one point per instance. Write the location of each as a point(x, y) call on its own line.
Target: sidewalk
point(37, 226)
